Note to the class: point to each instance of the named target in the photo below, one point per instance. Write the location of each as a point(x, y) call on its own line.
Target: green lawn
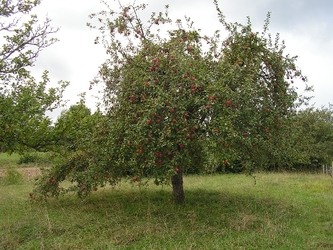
point(8, 160)
point(282, 211)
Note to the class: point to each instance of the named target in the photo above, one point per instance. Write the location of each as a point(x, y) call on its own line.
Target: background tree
point(24, 100)
point(23, 40)
point(312, 138)
point(23, 122)
point(169, 95)
point(71, 126)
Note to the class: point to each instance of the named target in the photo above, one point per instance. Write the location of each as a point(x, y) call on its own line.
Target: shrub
point(28, 158)
point(38, 158)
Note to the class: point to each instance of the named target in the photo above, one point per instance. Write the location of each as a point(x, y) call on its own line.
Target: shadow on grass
point(205, 204)
point(135, 219)
point(132, 216)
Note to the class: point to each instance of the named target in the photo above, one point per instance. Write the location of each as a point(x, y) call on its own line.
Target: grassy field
point(282, 211)
point(8, 160)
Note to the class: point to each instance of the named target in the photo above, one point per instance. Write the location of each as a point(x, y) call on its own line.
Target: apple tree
point(175, 97)
point(23, 99)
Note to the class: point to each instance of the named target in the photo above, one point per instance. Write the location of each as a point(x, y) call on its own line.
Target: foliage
point(34, 157)
point(23, 40)
point(174, 98)
point(24, 100)
point(313, 138)
point(72, 126)
point(28, 158)
point(23, 122)
point(76, 155)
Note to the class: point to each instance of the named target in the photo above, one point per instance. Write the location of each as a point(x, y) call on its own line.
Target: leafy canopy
point(24, 100)
point(176, 99)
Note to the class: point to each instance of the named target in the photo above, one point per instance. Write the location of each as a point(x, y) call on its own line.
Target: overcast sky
point(305, 25)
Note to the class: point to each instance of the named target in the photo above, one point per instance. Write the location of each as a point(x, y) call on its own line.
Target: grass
point(8, 160)
point(282, 211)
point(11, 177)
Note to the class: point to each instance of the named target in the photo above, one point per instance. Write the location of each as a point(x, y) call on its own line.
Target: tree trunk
point(177, 186)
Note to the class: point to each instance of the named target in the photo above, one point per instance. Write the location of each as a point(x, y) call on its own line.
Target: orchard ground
point(30, 170)
point(280, 211)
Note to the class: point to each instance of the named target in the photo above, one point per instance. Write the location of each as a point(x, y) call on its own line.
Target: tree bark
point(177, 186)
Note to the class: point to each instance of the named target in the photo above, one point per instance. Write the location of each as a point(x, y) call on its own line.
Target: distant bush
point(28, 158)
point(40, 158)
